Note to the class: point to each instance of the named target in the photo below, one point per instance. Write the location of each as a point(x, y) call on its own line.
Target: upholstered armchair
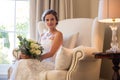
point(75, 60)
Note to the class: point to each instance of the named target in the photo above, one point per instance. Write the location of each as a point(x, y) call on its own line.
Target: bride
point(30, 69)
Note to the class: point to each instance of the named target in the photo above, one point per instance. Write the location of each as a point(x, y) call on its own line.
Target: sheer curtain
point(64, 8)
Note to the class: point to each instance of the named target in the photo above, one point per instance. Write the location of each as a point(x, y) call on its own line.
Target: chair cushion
point(70, 41)
point(56, 75)
point(63, 58)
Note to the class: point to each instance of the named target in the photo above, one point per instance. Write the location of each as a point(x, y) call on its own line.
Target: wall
point(94, 8)
point(89, 9)
point(85, 8)
point(81, 8)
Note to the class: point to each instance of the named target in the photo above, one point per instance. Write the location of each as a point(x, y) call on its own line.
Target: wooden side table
point(115, 57)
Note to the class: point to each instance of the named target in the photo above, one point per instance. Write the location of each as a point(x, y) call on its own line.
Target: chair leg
point(9, 72)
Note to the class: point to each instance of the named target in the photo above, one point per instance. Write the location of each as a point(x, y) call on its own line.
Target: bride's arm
point(57, 42)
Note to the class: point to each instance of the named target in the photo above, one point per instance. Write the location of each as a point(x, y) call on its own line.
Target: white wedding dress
point(32, 69)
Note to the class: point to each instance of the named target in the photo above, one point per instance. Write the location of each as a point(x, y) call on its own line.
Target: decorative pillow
point(69, 42)
point(63, 58)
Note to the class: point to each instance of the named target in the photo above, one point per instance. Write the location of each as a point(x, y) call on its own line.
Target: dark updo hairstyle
point(49, 11)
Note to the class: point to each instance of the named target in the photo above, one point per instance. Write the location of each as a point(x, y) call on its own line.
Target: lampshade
point(109, 10)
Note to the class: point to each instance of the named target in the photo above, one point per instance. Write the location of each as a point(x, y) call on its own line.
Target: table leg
point(116, 68)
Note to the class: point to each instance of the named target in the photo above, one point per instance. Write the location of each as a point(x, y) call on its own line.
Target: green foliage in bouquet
point(30, 47)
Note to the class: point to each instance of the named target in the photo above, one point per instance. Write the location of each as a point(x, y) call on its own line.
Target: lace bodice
point(46, 42)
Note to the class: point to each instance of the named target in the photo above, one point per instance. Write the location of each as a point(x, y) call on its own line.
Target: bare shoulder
point(59, 37)
point(59, 33)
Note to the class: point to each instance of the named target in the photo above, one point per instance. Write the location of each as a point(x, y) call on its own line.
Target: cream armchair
point(82, 37)
point(74, 61)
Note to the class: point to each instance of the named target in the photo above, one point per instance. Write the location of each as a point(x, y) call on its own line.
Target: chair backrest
point(90, 32)
point(81, 25)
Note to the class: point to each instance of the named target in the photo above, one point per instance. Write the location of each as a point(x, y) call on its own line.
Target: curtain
point(64, 8)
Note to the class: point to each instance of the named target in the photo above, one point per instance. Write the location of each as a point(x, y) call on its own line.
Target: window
point(14, 20)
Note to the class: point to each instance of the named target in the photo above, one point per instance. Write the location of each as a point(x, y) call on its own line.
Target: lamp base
point(113, 50)
point(114, 44)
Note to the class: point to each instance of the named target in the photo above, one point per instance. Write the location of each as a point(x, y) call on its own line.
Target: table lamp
point(109, 12)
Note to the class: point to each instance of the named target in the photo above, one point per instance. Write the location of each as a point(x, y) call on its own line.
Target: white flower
point(32, 41)
point(33, 45)
point(30, 47)
point(32, 51)
point(38, 52)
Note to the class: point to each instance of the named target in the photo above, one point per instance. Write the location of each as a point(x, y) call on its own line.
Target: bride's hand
point(41, 58)
point(24, 56)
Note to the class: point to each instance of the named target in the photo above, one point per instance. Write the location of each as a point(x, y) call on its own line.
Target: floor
point(3, 71)
point(3, 77)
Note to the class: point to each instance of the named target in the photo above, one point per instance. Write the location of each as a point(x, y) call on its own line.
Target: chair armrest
point(16, 54)
point(80, 55)
point(88, 53)
point(72, 73)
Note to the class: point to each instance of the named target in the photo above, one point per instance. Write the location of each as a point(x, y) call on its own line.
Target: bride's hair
point(49, 11)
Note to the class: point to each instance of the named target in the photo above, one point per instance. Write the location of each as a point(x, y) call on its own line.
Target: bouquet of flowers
point(30, 47)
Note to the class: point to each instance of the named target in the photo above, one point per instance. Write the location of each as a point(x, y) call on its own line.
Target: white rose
point(32, 45)
point(32, 51)
point(32, 41)
point(37, 52)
